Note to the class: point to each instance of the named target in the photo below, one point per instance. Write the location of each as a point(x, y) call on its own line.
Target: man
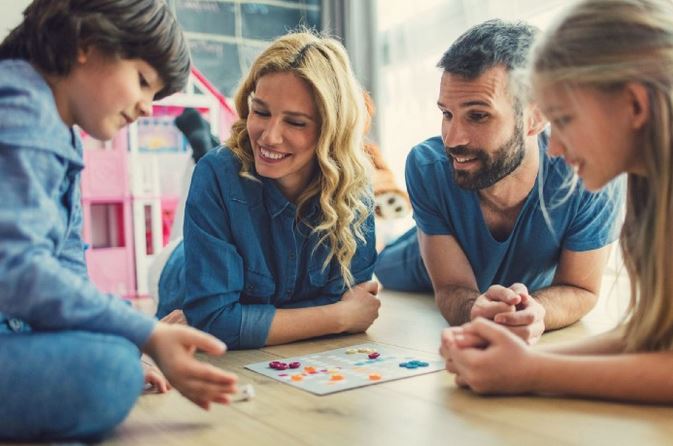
point(496, 216)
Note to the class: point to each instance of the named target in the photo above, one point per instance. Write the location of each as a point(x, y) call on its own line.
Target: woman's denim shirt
point(245, 254)
point(43, 278)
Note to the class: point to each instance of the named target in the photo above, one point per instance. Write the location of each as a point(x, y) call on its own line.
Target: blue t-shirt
point(580, 221)
point(245, 254)
point(43, 279)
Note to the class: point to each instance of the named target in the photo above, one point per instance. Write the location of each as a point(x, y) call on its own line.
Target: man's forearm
point(564, 304)
point(455, 303)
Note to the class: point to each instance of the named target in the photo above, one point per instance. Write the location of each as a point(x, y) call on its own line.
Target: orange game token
point(374, 376)
point(297, 377)
point(337, 377)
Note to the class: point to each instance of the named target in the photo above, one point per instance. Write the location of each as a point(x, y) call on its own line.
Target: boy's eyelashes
point(143, 80)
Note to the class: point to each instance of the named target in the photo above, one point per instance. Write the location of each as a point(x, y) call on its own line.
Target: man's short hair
point(489, 44)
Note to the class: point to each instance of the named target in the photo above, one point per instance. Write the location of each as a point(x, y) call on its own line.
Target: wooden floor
point(424, 410)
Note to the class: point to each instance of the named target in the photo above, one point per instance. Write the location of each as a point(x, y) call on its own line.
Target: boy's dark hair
point(53, 31)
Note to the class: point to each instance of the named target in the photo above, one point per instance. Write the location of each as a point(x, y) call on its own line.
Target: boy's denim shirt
point(43, 279)
point(245, 254)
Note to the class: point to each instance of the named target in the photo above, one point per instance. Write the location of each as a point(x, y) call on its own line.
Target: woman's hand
point(359, 307)
point(488, 358)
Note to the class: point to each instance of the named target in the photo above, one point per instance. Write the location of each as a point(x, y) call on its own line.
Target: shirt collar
point(276, 202)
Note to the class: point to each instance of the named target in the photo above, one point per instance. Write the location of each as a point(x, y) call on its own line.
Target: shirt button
point(15, 324)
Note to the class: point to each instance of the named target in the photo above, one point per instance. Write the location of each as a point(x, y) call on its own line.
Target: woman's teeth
point(272, 155)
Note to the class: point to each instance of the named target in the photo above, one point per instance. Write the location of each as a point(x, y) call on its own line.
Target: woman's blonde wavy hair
point(605, 44)
point(342, 184)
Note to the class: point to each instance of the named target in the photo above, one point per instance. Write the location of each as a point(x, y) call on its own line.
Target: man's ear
point(638, 104)
point(535, 121)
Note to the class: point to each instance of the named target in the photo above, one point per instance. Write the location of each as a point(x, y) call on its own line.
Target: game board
point(347, 368)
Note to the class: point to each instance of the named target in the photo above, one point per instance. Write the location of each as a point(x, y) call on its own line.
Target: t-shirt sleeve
point(598, 218)
point(425, 200)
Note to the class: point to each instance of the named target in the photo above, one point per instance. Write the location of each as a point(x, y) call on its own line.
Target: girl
point(279, 223)
point(69, 353)
point(604, 78)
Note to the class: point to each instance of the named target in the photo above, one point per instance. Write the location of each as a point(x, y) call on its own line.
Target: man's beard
point(493, 167)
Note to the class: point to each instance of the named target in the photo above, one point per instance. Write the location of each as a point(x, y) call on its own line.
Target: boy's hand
point(173, 346)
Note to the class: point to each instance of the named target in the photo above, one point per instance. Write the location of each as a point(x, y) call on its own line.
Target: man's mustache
point(464, 151)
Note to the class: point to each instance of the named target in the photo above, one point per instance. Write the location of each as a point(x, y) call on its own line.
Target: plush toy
point(390, 200)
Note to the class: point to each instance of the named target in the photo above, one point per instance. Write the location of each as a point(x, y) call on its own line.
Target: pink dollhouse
point(130, 189)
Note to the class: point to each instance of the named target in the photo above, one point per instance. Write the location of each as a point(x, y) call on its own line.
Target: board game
point(347, 368)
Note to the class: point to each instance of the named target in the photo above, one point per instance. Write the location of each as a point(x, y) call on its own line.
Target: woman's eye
point(261, 113)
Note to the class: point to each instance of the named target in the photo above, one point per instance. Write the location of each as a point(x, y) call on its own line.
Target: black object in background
point(197, 131)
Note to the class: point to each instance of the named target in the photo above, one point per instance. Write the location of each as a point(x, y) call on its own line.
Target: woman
point(604, 78)
point(279, 225)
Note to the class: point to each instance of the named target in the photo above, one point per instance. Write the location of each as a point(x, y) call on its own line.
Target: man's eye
point(478, 116)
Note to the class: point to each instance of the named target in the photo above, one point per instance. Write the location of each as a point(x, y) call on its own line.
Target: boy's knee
point(109, 395)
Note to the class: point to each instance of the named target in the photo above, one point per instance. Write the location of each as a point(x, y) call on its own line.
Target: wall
point(10, 15)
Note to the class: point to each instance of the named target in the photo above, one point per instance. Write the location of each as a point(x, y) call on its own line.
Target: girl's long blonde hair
point(605, 44)
point(342, 184)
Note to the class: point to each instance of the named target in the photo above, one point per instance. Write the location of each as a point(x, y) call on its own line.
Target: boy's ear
point(534, 119)
point(83, 54)
point(638, 103)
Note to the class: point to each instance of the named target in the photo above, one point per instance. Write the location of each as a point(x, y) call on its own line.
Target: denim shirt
point(43, 278)
point(245, 254)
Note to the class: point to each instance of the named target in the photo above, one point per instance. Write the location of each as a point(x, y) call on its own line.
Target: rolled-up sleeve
point(214, 268)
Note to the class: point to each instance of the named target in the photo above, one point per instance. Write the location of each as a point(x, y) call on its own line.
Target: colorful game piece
point(336, 377)
point(295, 365)
point(309, 369)
point(297, 377)
point(414, 364)
point(374, 376)
point(351, 351)
point(374, 355)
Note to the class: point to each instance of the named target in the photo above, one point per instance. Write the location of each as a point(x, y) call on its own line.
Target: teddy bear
point(391, 201)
